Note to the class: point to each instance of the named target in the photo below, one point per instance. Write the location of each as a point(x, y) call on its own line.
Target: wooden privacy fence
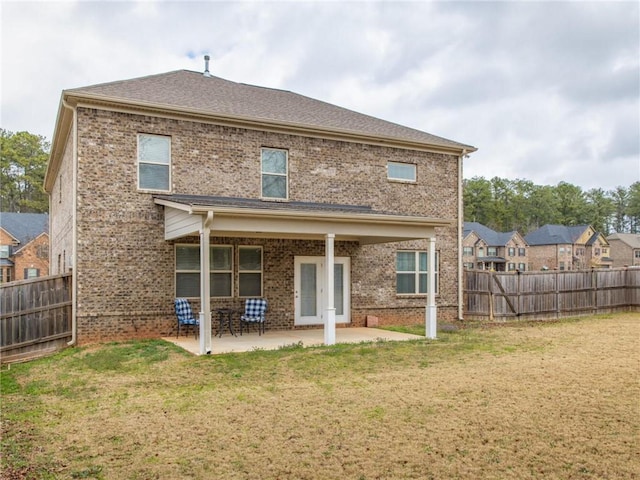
point(35, 317)
point(540, 295)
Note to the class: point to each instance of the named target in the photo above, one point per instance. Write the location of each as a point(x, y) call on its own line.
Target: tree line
point(23, 163)
point(507, 205)
point(501, 204)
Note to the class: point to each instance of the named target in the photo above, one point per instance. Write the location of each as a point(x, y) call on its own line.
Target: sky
point(546, 91)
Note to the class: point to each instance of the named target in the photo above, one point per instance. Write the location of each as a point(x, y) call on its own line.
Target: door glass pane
point(308, 301)
point(338, 288)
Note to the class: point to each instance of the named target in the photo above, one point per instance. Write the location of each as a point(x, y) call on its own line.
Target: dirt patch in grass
point(539, 400)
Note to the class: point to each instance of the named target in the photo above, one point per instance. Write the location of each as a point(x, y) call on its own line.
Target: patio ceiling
point(237, 217)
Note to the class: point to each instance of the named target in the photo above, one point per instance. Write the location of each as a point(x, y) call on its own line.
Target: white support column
point(431, 323)
point(205, 285)
point(330, 309)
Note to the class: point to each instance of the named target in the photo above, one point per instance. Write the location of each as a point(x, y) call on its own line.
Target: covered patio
point(273, 340)
point(207, 216)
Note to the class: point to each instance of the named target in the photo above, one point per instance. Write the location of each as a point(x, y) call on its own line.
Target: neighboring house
point(568, 248)
point(625, 249)
point(24, 246)
point(188, 185)
point(486, 249)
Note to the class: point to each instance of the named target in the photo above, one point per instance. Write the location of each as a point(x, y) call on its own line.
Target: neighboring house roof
point(631, 239)
point(490, 237)
point(24, 227)
point(209, 95)
point(555, 235)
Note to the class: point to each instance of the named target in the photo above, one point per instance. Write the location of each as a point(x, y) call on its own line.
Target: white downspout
point(431, 313)
point(460, 230)
point(74, 223)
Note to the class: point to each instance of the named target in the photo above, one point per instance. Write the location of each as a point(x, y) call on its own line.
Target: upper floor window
point(467, 251)
point(401, 171)
point(275, 171)
point(521, 252)
point(480, 251)
point(154, 162)
point(512, 267)
point(522, 267)
point(512, 251)
point(492, 251)
point(4, 251)
point(412, 272)
point(636, 253)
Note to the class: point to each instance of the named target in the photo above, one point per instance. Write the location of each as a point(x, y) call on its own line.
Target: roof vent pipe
point(206, 66)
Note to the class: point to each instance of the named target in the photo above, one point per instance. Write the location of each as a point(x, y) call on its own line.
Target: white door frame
point(318, 319)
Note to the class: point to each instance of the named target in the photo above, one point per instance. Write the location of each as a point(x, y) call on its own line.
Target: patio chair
point(254, 309)
point(185, 316)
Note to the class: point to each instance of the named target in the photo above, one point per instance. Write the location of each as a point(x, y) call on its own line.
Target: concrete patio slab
point(278, 339)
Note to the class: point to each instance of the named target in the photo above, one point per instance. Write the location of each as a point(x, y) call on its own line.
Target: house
point(183, 184)
point(24, 246)
point(486, 249)
point(625, 249)
point(568, 248)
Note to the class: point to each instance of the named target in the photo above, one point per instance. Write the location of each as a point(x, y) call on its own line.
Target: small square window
point(401, 171)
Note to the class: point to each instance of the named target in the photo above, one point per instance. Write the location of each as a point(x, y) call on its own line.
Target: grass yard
point(554, 400)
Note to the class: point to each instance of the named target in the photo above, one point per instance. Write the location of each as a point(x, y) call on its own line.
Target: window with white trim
point(512, 251)
point(249, 271)
point(188, 270)
point(275, 171)
point(492, 251)
point(467, 251)
point(4, 251)
point(31, 273)
point(522, 267)
point(412, 272)
point(405, 172)
point(154, 162)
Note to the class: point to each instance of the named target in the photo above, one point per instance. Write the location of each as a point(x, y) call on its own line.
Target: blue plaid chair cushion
point(254, 309)
point(184, 312)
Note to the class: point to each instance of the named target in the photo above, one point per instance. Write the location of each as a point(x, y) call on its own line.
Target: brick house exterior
point(557, 247)
point(486, 249)
point(24, 246)
point(269, 185)
point(625, 249)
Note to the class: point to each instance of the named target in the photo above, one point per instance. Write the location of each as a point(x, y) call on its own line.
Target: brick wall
point(125, 268)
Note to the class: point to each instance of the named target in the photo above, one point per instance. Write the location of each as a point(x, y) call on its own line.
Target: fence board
point(35, 316)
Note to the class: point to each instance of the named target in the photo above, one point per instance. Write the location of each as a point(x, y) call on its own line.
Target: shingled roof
point(490, 236)
point(24, 227)
point(555, 235)
point(192, 92)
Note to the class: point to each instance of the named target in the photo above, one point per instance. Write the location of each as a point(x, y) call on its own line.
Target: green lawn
point(540, 400)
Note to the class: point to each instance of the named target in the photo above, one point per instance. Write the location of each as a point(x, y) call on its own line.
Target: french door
point(309, 290)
